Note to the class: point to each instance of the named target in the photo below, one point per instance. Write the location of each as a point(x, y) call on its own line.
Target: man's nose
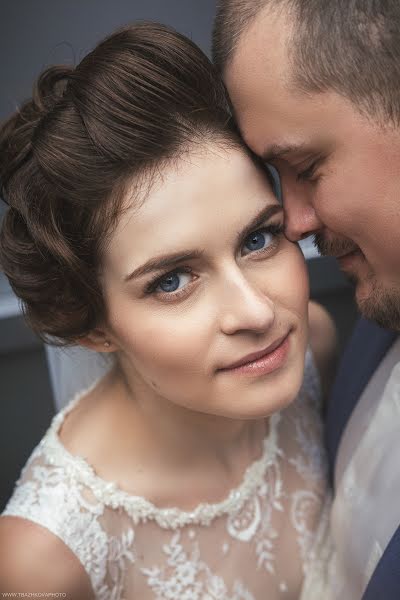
point(246, 308)
point(301, 220)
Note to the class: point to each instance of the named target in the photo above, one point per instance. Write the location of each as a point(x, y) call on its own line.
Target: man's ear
point(98, 341)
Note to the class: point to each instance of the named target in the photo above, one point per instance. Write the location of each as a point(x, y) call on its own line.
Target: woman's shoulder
point(52, 520)
point(56, 520)
point(36, 560)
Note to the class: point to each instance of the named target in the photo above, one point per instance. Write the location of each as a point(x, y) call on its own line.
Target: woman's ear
point(99, 341)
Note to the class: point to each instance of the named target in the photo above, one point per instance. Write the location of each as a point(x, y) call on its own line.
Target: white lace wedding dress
point(258, 543)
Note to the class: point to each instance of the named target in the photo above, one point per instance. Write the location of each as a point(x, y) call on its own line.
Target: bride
point(139, 226)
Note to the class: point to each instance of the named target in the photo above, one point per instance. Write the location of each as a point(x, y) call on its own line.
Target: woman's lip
point(263, 365)
point(254, 356)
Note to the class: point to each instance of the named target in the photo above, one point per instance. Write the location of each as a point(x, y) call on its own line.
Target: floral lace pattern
point(189, 578)
point(132, 549)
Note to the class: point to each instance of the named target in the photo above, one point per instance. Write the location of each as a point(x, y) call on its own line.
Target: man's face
point(340, 172)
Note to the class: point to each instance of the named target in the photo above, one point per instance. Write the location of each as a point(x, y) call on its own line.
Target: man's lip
point(255, 355)
point(348, 253)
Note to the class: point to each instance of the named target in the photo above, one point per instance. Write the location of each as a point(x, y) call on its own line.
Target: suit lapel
point(385, 581)
point(365, 350)
point(368, 345)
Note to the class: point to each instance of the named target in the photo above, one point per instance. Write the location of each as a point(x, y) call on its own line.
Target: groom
point(315, 87)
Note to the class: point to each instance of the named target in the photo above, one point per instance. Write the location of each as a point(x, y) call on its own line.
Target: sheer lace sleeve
point(51, 493)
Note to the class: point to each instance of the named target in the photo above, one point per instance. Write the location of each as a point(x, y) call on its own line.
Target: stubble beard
point(382, 304)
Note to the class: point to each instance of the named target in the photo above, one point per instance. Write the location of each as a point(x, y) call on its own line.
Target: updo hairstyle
point(138, 100)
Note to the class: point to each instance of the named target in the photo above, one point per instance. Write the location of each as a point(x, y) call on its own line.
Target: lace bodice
point(257, 543)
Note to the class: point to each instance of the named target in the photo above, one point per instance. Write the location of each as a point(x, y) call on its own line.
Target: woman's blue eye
point(172, 282)
point(258, 240)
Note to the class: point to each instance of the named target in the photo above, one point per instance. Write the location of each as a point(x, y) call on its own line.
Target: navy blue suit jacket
point(368, 345)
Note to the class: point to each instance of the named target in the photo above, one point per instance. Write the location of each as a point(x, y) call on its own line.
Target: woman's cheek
point(286, 281)
point(160, 336)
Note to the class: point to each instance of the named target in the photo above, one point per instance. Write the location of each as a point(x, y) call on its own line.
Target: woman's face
point(198, 278)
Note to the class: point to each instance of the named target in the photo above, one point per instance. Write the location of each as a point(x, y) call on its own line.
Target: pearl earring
point(107, 344)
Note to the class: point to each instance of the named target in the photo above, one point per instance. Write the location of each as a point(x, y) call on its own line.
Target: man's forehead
point(277, 132)
point(274, 116)
point(276, 121)
point(261, 49)
point(259, 81)
point(262, 100)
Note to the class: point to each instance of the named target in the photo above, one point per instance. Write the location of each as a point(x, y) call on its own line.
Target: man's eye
point(261, 239)
point(308, 173)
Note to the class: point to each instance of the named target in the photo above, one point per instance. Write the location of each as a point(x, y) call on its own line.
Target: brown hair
point(352, 47)
point(138, 99)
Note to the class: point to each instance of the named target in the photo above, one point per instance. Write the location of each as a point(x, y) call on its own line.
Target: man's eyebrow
point(168, 261)
point(277, 151)
point(159, 263)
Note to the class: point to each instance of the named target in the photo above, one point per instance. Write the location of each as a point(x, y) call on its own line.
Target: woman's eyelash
point(274, 229)
point(154, 283)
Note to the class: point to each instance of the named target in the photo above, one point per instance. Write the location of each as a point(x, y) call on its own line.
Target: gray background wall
point(34, 34)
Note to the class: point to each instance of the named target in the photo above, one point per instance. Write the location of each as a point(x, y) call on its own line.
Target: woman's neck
point(152, 448)
point(187, 438)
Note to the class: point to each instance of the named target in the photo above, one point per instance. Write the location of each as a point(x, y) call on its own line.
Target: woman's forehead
point(195, 201)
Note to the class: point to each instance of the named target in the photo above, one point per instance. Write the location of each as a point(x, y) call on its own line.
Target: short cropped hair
point(349, 46)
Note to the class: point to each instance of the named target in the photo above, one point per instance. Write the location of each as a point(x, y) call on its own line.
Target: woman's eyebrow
point(164, 261)
point(263, 216)
point(168, 261)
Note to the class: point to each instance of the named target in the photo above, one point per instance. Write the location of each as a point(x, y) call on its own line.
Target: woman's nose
point(245, 308)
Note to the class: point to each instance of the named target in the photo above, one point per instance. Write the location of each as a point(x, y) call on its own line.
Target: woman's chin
point(261, 396)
